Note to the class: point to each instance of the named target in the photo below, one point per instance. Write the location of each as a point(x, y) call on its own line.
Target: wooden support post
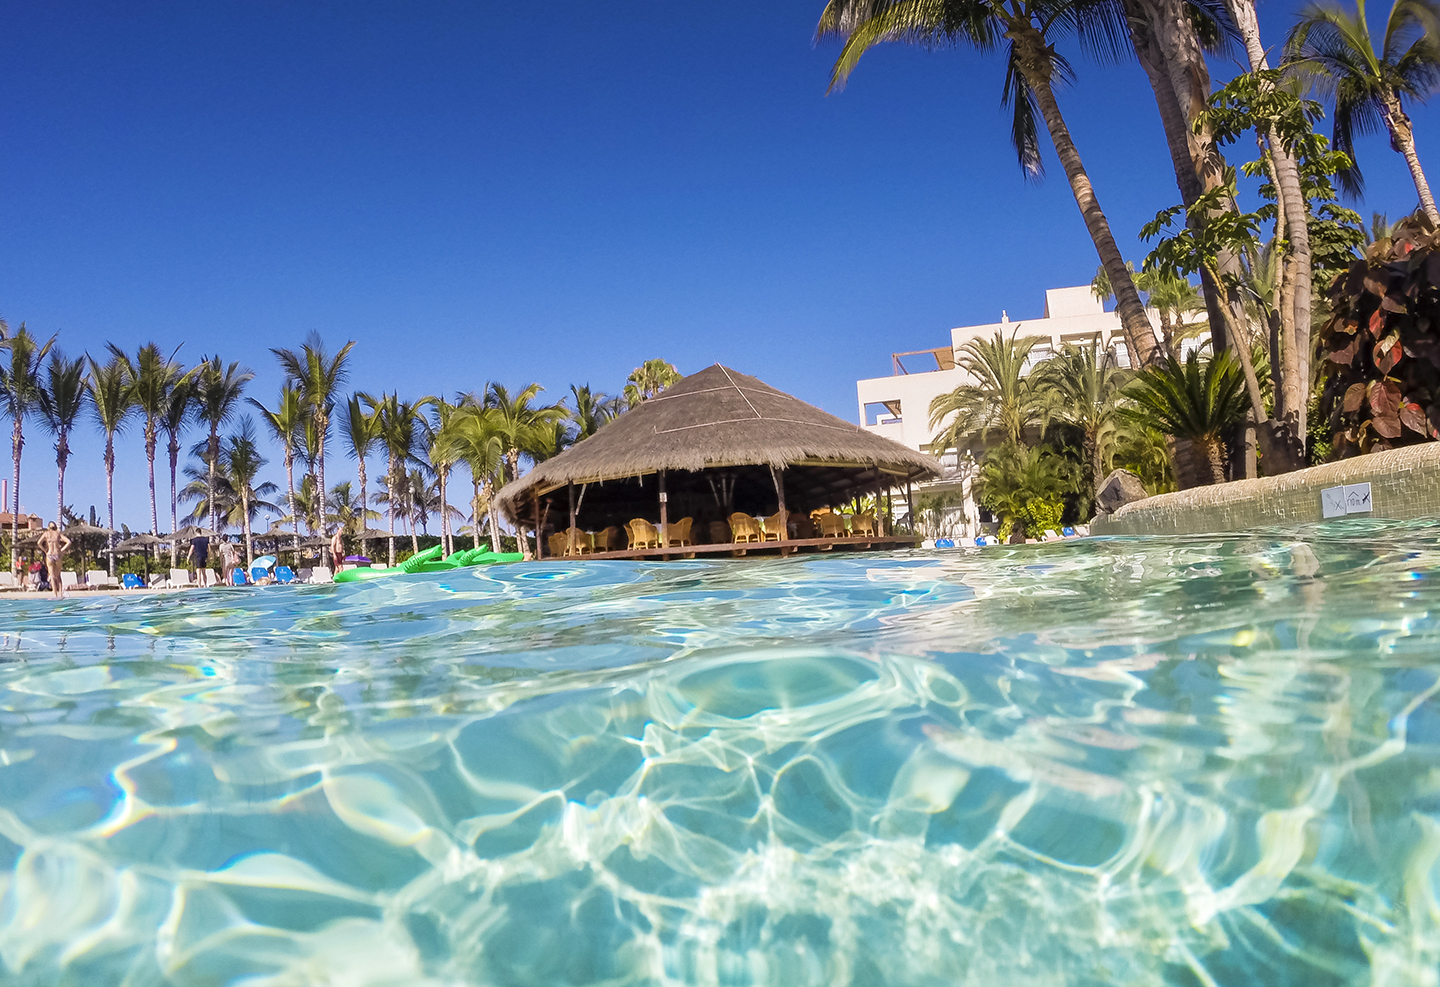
point(778, 476)
point(909, 505)
point(538, 549)
point(664, 512)
point(570, 532)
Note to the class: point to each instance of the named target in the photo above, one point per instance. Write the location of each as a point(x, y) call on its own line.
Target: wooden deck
point(788, 547)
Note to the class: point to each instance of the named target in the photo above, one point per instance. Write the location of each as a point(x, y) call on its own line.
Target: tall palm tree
point(179, 410)
point(319, 377)
point(361, 428)
point(442, 459)
point(1004, 399)
point(1194, 400)
point(650, 379)
point(243, 463)
point(151, 376)
point(111, 403)
point(218, 392)
point(1331, 48)
point(285, 423)
point(524, 429)
point(1081, 385)
point(20, 391)
point(398, 428)
point(61, 399)
point(473, 437)
point(1028, 29)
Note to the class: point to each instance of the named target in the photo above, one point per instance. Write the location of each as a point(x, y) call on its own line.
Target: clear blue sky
point(521, 192)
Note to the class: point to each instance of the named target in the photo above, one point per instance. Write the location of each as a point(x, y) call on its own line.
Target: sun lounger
point(321, 574)
point(284, 574)
point(238, 578)
point(70, 580)
point(180, 577)
point(100, 579)
point(7, 581)
point(131, 580)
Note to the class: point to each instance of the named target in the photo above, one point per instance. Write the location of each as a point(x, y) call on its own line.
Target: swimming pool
point(1140, 761)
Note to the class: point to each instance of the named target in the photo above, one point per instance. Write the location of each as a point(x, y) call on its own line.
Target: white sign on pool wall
point(1352, 498)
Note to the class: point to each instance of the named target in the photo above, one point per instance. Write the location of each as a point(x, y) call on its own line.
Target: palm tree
point(524, 429)
point(229, 503)
point(1028, 29)
point(473, 437)
point(110, 400)
point(1194, 401)
point(319, 377)
point(397, 423)
point(441, 458)
point(591, 410)
point(20, 390)
point(1004, 400)
point(361, 429)
point(650, 379)
point(1013, 477)
point(243, 463)
point(347, 509)
point(61, 399)
point(179, 409)
point(218, 391)
point(284, 424)
point(151, 376)
point(1331, 47)
point(1081, 385)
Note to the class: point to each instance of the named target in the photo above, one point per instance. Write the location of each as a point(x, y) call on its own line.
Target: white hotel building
point(898, 406)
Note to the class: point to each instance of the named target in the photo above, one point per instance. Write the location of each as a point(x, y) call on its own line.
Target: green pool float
point(428, 561)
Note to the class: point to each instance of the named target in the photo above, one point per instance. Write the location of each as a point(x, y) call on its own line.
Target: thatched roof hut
point(720, 440)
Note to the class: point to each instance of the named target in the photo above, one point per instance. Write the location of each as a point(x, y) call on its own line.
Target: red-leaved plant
point(1381, 347)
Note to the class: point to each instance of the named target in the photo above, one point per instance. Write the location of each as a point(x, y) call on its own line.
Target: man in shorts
point(200, 555)
point(54, 543)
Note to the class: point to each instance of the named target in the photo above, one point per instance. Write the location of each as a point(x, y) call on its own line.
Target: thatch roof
point(720, 418)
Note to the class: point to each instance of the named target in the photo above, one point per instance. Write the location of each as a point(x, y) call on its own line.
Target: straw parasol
point(140, 543)
point(722, 433)
point(193, 531)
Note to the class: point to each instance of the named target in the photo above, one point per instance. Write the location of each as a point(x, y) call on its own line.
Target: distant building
point(898, 406)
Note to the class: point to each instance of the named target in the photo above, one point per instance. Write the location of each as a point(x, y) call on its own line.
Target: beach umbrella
point(193, 531)
point(80, 529)
point(372, 534)
point(140, 543)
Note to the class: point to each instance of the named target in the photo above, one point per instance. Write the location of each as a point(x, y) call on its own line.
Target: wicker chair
point(774, 528)
point(643, 534)
point(579, 542)
point(804, 526)
point(863, 524)
point(607, 540)
point(679, 532)
point(719, 532)
point(743, 528)
point(556, 543)
point(831, 526)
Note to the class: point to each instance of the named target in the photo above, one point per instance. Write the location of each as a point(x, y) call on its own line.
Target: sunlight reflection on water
point(1178, 761)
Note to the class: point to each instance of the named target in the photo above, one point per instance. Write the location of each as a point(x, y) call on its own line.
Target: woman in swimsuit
point(53, 543)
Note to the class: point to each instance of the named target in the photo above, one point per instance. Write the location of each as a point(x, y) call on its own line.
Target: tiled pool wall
point(1404, 485)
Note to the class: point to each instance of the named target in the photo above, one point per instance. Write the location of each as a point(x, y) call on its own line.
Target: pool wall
point(1404, 485)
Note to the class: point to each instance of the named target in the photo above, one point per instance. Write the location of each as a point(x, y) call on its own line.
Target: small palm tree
point(1331, 48)
point(61, 399)
point(1004, 400)
point(243, 463)
point(650, 379)
point(228, 505)
point(347, 509)
point(319, 377)
point(218, 392)
point(1081, 386)
point(111, 402)
point(590, 410)
point(1193, 401)
point(361, 429)
point(1013, 477)
point(285, 424)
point(20, 391)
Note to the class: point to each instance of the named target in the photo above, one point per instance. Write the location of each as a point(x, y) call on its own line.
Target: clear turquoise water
point(1185, 761)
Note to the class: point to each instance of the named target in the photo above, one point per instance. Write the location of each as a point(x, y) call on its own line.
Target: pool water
point(1185, 761)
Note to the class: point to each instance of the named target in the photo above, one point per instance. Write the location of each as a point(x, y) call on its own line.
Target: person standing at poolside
point(337, 547)
point(54, 543)
point(229, 559)
point(200, 555)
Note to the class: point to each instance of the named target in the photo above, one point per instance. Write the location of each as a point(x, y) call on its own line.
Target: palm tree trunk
point(1034, 56)
point(62, 455)
point(1402, 138)
point(213, 449)
point(364, 505)
point(17, 443)
point(290, 483)
point(150, 459)
point(444, 512)
point(322, 425)
point(494, 521)
point(1199, 462)
point(475, 506)
point(110, 496)
point(245, 520)
point(390, 508)
point(174, 499)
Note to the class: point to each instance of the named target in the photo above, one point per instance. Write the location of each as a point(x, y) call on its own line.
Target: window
point(883, 413)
